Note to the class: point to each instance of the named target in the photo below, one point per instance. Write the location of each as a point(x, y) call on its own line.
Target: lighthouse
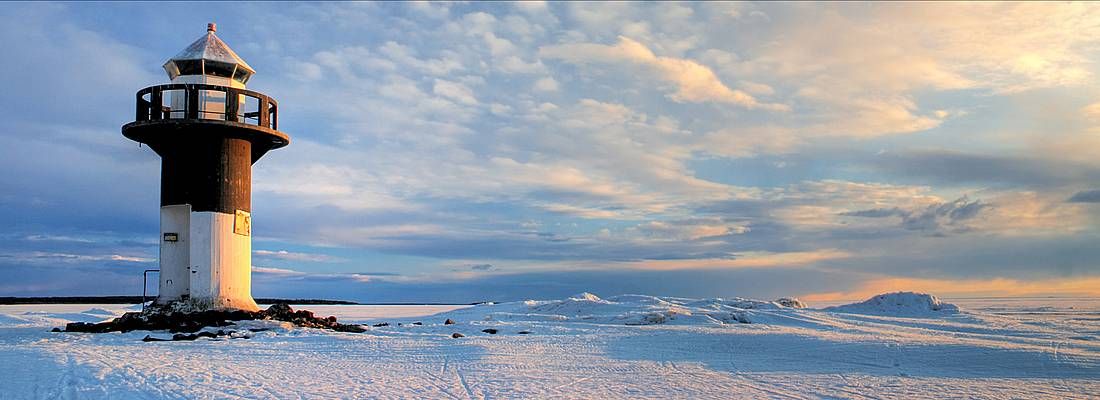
point(208, 131)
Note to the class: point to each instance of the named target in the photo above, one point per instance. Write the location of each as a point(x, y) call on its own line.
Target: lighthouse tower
point(208, 130)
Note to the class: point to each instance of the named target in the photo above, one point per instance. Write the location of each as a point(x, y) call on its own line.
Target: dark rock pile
point(177, 322)
point(304, 318)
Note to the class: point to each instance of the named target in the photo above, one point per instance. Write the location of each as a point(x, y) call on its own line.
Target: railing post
point(275, 117)
point(264, 117)
point(232, 104)
point(142, 110)
point(192, 102)
point(156, 103)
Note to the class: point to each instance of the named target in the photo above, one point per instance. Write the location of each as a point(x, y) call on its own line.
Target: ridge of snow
point(631, 309)
point(899, 304)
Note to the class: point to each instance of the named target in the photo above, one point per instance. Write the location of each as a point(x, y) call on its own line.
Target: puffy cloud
point(692, 82)
point(454, 91)
point(546, 84)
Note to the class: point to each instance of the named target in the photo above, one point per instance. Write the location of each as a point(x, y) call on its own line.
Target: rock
point(379, 325)
point(148, 338)
point(55, 330)
point(184, 322)
point(259, 329)
point(184, 336)
point(524, 332)
point(278, 309)
point(457, 335)
point(490, 331)
point(351, 328)
point(418, 323)
point(449, 322)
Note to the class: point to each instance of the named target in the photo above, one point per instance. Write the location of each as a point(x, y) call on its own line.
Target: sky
point(460, 152)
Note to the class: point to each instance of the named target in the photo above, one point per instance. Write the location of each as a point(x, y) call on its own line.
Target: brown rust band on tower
point(212, 174)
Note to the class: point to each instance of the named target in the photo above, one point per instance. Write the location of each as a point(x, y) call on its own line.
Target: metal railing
point(202, 101)
point(145, 286)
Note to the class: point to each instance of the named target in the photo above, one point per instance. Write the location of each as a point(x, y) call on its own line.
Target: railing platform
point(205, 110)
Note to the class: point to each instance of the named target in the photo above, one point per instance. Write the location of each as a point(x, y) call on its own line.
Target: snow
point(901, 304)
point(583, 346)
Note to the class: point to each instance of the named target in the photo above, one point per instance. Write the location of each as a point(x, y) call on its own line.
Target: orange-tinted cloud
point(694, 82)
point(747, 260)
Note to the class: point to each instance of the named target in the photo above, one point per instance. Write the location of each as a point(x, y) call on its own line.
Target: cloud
point(39, 257)
point(951, 167)
point(275, 271)
point(481, 267)
point(400, 55)
point(690, 229)
point(748, 260)
point(294, 256)
point(1085, 196)
point(932, 218)
point(268, 274)
point(693, 82)
point(876, 213)
point(57, 238)
point(454, 91)
point(1092, 111)
point(546, 84)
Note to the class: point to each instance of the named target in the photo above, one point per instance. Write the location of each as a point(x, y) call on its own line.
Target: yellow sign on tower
point(242, 225)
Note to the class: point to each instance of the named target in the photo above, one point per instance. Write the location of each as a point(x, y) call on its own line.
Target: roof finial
point(211, 27)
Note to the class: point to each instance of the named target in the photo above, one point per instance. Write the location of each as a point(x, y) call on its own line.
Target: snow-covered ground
point(899, 346)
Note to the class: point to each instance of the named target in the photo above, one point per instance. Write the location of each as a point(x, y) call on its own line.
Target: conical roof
point(210, 48)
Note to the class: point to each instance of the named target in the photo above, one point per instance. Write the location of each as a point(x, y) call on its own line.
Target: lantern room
point(209, 60)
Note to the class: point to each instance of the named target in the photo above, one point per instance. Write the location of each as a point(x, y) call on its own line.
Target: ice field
point(898, 346)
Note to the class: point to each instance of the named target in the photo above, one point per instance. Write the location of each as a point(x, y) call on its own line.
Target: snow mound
point(585, 296)
point(633, 309)
point(899, 304)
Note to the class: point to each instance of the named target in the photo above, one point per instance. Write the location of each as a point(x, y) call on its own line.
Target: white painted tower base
point(205, 260)
point(175, 253)
point(221, 262)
